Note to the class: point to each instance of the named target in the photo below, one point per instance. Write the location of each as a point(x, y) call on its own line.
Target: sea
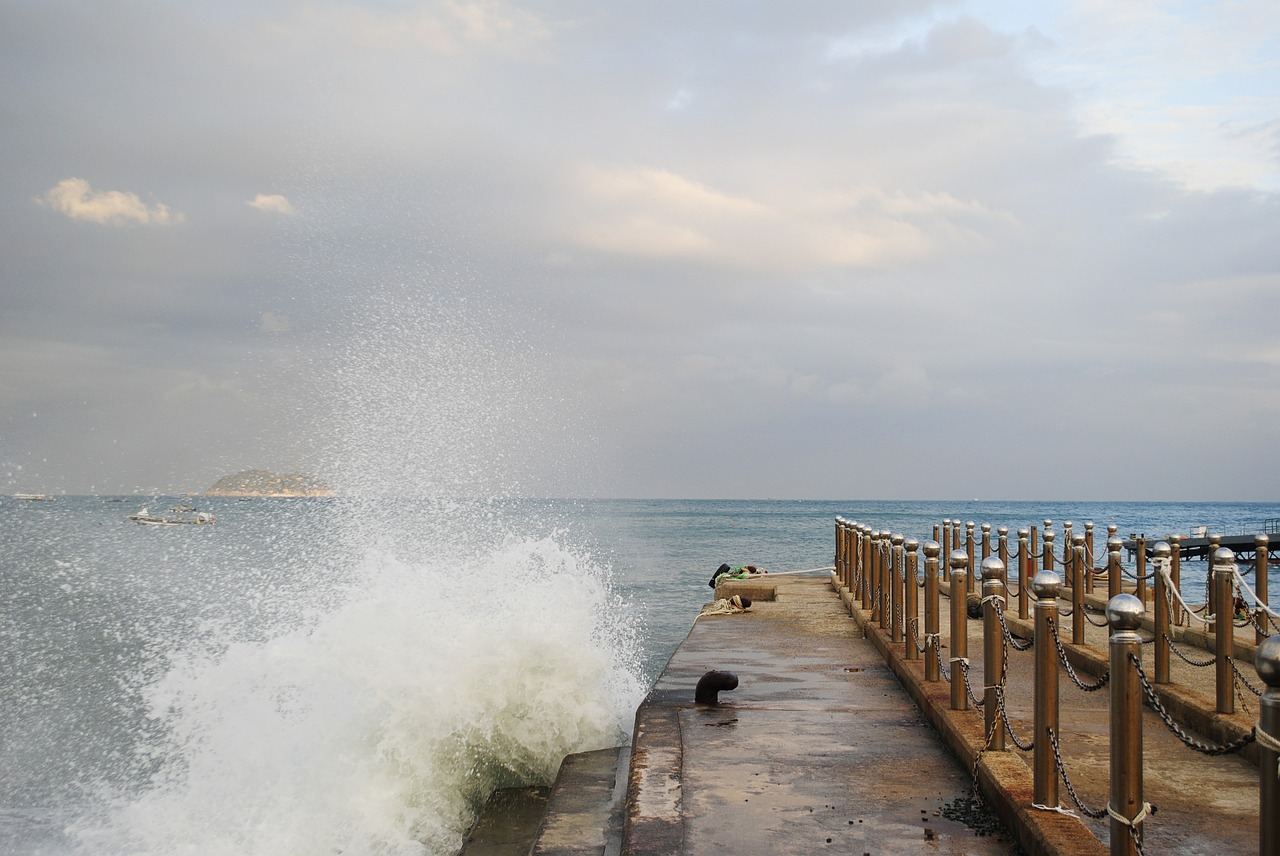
point(327, 675)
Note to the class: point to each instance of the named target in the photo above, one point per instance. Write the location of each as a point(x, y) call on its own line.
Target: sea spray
point(382, 725)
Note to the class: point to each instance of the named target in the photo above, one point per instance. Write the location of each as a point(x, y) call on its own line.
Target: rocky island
point(266, 483)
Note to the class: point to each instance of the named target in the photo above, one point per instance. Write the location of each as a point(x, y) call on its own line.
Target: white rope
point(1162, 568)
point(1055, 808)
point(790, 573)
point(1137, 818)
point(1235, 569)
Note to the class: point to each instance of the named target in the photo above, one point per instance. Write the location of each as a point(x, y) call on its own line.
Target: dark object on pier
point(723, 569)
point(973, 605)
point(710, 685)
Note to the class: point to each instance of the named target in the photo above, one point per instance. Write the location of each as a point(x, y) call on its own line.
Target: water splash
point(434, 650)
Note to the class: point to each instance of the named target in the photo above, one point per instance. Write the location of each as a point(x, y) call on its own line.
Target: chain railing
point(885, 577)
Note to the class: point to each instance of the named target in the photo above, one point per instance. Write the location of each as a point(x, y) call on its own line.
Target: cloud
point(272, 203)
point(78, 201)
point(647, 211)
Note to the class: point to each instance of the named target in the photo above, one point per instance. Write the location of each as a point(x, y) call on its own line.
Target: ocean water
point(315, 676)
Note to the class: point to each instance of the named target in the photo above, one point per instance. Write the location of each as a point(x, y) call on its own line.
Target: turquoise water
point(317, 675)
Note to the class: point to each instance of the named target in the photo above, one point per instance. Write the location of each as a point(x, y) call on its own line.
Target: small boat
point(179, 515)
point(32, 497)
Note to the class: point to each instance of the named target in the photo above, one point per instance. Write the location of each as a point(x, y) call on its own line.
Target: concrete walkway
point(1206, 805)
point(819, 749)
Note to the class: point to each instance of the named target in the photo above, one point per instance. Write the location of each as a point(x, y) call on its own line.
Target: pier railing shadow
point(1127, 624)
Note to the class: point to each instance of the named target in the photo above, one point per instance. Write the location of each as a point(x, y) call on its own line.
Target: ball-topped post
point(959, 561)
point(993, 651)
point(1124, 617)
point(1224, 632)
point(932, 549)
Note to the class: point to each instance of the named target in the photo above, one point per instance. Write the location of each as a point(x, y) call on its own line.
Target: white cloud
point(647, 211)
point(78, 201)
point(272, 203)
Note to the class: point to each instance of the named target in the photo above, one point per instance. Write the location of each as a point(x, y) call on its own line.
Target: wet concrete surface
point(1206, 805)
point(819, 749)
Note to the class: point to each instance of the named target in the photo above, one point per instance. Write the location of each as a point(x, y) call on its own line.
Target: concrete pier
point(833, 741)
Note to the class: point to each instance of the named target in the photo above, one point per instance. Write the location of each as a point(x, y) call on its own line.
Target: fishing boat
point(179, 515)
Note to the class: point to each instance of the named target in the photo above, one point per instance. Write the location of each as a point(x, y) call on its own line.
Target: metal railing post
point(931, 607)
point(1267, 661)
point(1223, 629)
point(1140, 567)
point(911, 609)
point(886, 567)
point(969, 551)
point(1002, 553)
point(1210, 590)
point(1090, 556)
point(1260, 546)
point(993, 666)
point(1068, 557)
point(1127, 807)
point(868, 568)
point(1115, 579)
point(1175, 574)
point(1045, 771)
point(1161, 557)
point(877, 578)
point(986, 541)
point(959, 627)
point(840, 552)
point(946, 539)
point(1024, 572)
point(1078, 576)
point(896, 562)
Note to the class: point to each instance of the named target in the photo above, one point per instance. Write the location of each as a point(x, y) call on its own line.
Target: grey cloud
point(884, 272)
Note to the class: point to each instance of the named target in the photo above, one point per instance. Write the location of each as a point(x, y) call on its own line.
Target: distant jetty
point(266, 483)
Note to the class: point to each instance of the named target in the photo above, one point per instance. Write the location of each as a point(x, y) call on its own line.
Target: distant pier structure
point(1201, 543)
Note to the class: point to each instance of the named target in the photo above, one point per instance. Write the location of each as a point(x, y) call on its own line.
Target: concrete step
point(586, 807)
point(579, 815)
point(507, 824)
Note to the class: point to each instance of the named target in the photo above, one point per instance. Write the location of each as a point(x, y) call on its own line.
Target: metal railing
point(880, 570)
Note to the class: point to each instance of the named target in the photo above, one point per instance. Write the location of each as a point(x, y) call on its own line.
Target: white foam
point(380, 726)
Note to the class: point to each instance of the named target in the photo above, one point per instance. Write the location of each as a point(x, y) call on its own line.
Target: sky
point(875, 250)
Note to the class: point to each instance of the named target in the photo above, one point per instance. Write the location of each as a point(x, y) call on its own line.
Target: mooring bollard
point(931, 618)
point(959, 628)
point(1114, 574)
point(1223, 630)
point(896, 574)
point(992, 652)
point(1024, 572)
point(911, 609)
point(1044, 769)
point(1267, 661)
point(1126, 807)
point(1261, 554)
point(1079, 573)
point(1161, 560)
